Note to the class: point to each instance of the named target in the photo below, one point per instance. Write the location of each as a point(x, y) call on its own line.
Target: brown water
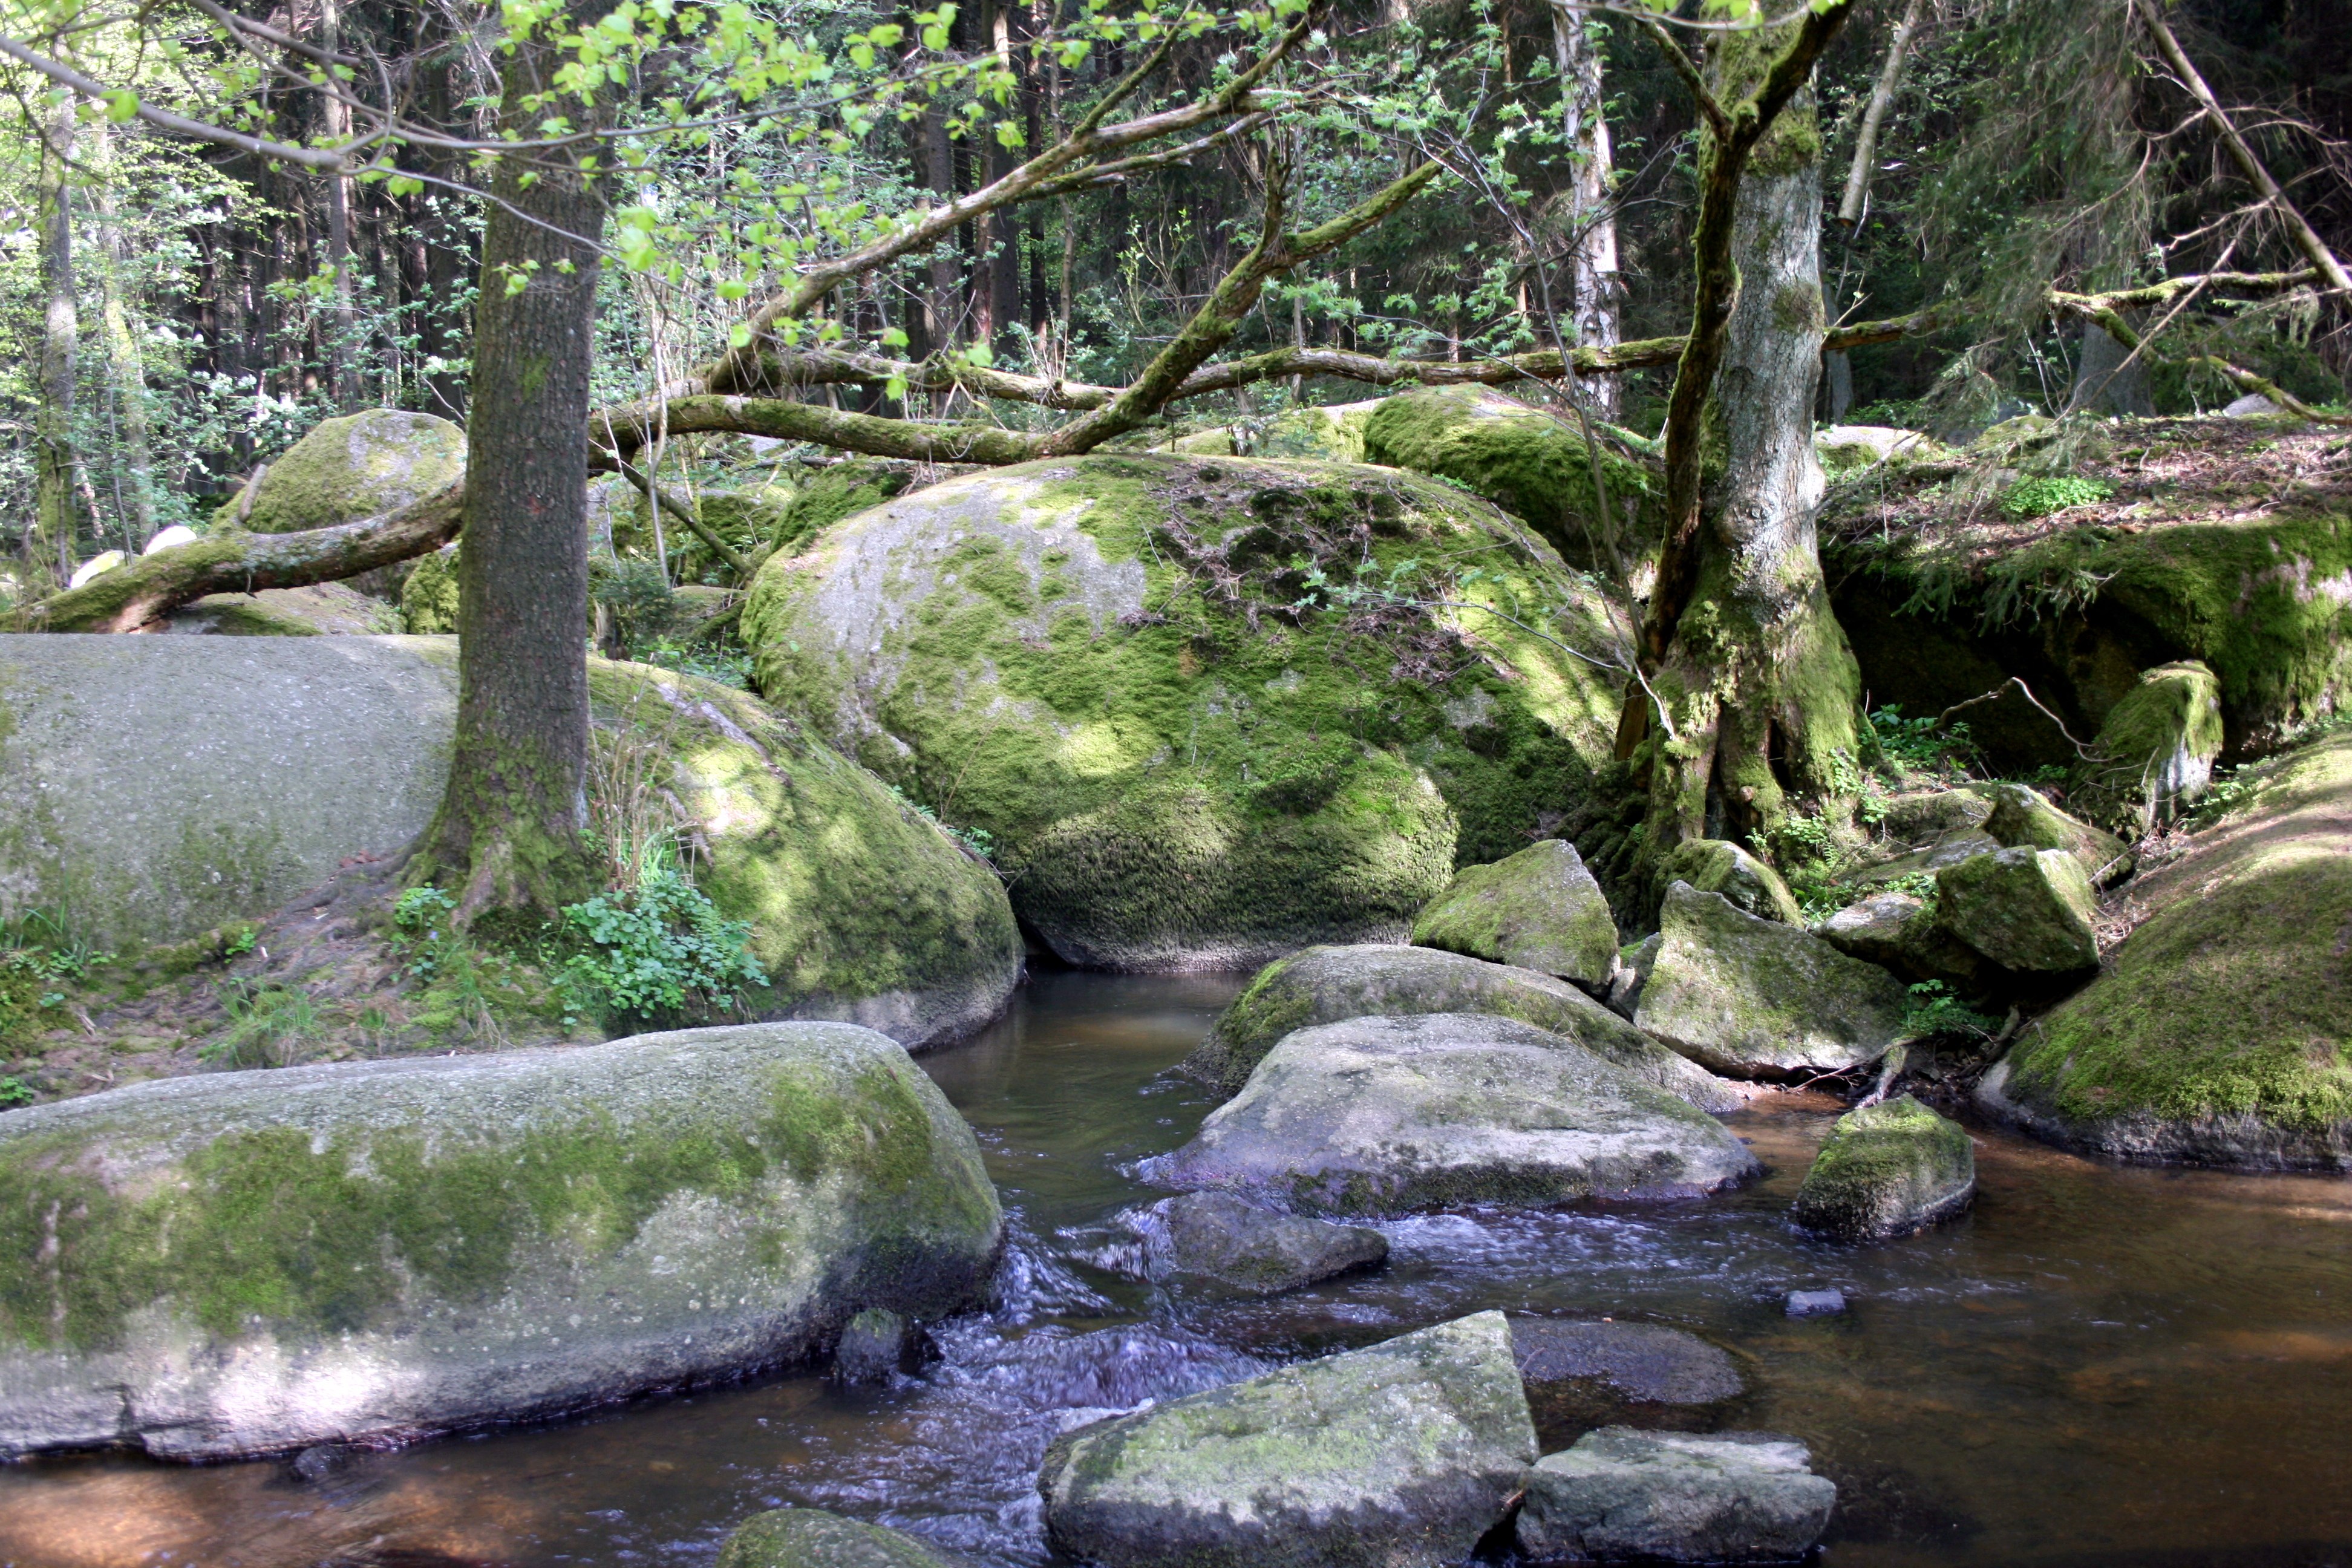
point(2097, 1366)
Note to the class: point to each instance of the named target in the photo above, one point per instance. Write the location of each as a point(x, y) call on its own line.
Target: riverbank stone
point(1887, 1169)
point(874, 1345)
point(1398, 1455)
point(2021, 818)
point(1539, 909)
point(1759, 998)
point(812, 1538)
point(1329, 985)
point(1219, 1238)
point(1581, 1374)
point(514, 1234)
point(1622, 1495)
point(1106, 665)
point(2029, 911)
point(1378, 1116)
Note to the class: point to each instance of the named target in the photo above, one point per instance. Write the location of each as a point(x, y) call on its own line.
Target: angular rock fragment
point(1887, 1169)
point(1538, 910)
point(2029, 911)
point(1719, 866)
point(1621, 1495)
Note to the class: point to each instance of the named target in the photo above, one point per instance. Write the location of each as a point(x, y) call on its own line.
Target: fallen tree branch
point(2097, 308)
point(692, 519)
point(134, 596)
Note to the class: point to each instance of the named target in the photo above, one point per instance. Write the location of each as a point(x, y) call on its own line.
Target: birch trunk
point(1592, 267)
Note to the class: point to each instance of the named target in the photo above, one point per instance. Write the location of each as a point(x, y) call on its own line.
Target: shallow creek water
point(2098, 1366)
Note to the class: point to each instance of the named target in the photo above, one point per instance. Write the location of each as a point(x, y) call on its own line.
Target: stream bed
point(2098, 1365)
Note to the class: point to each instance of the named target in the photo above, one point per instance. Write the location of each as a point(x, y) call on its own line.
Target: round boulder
point(1540, 909)
point(812, 1538)
point(360, 465)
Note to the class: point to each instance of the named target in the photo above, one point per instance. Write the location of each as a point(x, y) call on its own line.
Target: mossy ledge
point(245, 1262)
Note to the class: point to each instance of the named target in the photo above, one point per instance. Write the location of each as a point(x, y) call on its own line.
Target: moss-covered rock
point(1382, 1116)
point(323, 609)
point(1400, 1456)
point(1529, 463)
point(1328, 984)
point(1758, 998)
point(811, 1538)
point(1621, 1495)
point(428, 599)
point(263, 764)
point(1719, 866)
point(1887, 1169)
point(2154, 754)
point(2021, 818)
point(1330, 432)
point(1201, 707)
point(2031, 911)
point(1540, 909)
point(1846, 449)
point(363, 465)
point(2219, 1031)
point(838, 490)
point(243, 1262)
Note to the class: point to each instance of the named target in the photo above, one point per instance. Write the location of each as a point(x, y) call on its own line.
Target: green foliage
point(2042, 495)
point(654, 950)
point(724, 665)
point(1925, 744)
point(977, 842)
point(1934, 1008)
point(15, 1092)
point(268, 1025)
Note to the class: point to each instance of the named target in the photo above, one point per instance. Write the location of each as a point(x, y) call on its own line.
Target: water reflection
point(2097, 1366)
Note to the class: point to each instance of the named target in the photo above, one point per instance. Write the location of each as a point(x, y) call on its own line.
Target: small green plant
point(421, 915)
point(456, 981)
point(241, 940)
point(2224, 796)
point(15, 1092)
point(1934, 1008)
point(1920, 885)
point(722, 666)
point(2042, 495)
point(1925, 744)
point(656, 949)
point(267, 1026)
point(977, 840)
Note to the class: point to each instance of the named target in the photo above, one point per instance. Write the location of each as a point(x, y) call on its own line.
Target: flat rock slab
point(1887, 1169)
point(1400, 1456)
point(1217, 1236)
point(1538, 910)
point(1330, 985)
point(1648, 1361)
point(812, 1538)
point(1759, 998)
point(1621, 1495)
point(1389, 1115)
point(255, 1261)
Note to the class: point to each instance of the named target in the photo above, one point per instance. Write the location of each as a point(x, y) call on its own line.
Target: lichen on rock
point(813, 1537)
point(1539, 909)
point(2029, 911)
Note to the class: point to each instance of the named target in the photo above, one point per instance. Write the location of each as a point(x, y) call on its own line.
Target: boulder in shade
point(1538, 910)
point(2029, 911)
point(1887, 1169)
point(2021, 818)
point(248, 1262)
point(1217, 1236)
point(1757, 998)
point(1400, 1456)
point(1328, 984)
point(1873, 928)
point(874, 1345)
point(1622, 1495)
point(1719, 866)
point(1583, 1374)
point(2155, 749)
point(812, 1538)
point(1379, 1116)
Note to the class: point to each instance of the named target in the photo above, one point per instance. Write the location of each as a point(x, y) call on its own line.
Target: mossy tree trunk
point(51, 545)
point(1756, 693)
point(509, 832)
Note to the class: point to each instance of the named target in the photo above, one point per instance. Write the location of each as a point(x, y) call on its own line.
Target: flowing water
point(2097, 1366)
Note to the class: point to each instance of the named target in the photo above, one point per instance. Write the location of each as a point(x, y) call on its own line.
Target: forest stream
point(2098, 1364)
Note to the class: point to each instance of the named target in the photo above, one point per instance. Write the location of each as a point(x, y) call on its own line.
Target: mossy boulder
point(323, 609)
point(1531, 463)
point(2220, 1032)
point(1332, 432)
point(254, 1261)
point(2021, 818)
point(1202, 708)
point(1887, 1169)
point(1719, 866)
point(841, 490)
point(1621, 1495)
point(1540, 909)
point(1383, 1116)
point(155, 788)
point(2154, 756)
point(1759, 998)
point(812, 1538)
point(2030, 911)
point(428, 599)
point(1846, 449)
point(360, 465)
point(1400, 1456)
point(1328, 984)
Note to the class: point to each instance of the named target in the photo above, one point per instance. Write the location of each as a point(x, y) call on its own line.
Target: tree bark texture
point(508, 834)
point(52, 537)
point(126, 365)
point(1592, 267)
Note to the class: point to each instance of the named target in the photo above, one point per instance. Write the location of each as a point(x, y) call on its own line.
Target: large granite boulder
point(365, 465)
point(1218, 1237)
point(2156, 750)
point(1621, 1495)
point(322, 609)
point(155, 788)
point(1719, 866)
point(1540, 909)
point(1400, 1456)
point(1378, 1116)
point(1116, 667)
point(2031, 911)
point(812, 1538)
point(1758, 998)
point(1328, 984)
point(2219, 1031)
point(1887, 1169)
point(244, 1262)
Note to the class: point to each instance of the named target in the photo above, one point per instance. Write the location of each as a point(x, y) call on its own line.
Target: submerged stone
point(812, 1538)
point(512, 1235)
point(1887, 1169)
point(1538, 910)
point(1621, 1495)
point(1585, 1375)
point(1376, 1116)
point(1217, 1236)
point(1719, 866)
point(874, 1345)
point(1103, 663)
point(1328, 984)
point(1826, 1303)
point(1400, 1456)
point(348, 469)
point(1757, 998)
point(2029, 911)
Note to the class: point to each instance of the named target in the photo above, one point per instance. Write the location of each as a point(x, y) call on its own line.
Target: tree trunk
point(1593, 261)
point(1758, 687)
point(338, 224)
point(135, 454)
point(52, 546)
point(1854, 206)
point(509, 830)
